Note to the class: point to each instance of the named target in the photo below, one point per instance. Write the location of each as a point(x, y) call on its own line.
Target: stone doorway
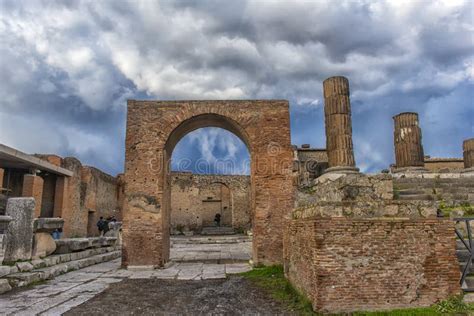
point(153, 130)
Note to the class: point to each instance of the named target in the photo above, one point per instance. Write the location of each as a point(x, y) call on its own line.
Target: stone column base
point(342, 169)
point(410, 169)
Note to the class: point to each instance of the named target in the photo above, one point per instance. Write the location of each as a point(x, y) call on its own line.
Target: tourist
point(101, 225)
point(57, 233)
point(217, 219)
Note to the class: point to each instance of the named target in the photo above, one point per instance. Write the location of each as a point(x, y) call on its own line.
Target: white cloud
point(77, 62)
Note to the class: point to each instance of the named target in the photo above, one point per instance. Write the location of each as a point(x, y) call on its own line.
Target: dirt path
point(232, 296)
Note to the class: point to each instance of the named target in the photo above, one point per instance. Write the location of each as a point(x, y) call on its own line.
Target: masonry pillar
point(468, 153)
point(60, 196)
point(337, 112)
point(2, 172)
point(407, 140)
point(33, 187)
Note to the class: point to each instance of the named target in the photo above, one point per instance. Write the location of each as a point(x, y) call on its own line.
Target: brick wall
point(345, 264)
point(49, 188)
point(33, 187)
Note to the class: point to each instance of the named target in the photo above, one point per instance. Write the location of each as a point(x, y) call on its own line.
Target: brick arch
point(155, 127)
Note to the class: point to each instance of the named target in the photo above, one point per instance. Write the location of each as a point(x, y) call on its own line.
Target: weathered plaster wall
point(101, 197)
point(89, 194)
point(196, 198)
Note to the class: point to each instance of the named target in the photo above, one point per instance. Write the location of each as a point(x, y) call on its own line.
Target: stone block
point(68, 245)
point(44, 245)
point(4, 286)
point(3, 246)
point(51, 260)
point(48, 225)
point(20, 230)
point(24, 266)
point(4, 270)
point(38, 263)
point(23, 279)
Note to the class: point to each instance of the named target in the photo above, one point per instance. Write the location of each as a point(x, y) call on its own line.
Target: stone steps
point(413, 197)
point(227, 239)
point(214, 230)
point(52, 266)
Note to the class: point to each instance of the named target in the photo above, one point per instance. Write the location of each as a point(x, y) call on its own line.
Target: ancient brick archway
point(153, 130)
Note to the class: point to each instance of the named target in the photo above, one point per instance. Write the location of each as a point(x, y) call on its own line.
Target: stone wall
point(345, 264)
point(196, 198)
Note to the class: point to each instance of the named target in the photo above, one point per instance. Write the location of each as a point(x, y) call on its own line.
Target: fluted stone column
point(337, 112)
point(407, 139)
point(468, 153)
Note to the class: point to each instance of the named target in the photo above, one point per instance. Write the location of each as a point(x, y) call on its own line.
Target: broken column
point(33, 187)
point(337, 112)
point(407, 139)
point(468, 153)
point(19, 239)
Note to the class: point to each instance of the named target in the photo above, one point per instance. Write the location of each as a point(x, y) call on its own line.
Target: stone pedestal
point(4, 221)
point(468, 153)
point(33, 187)
point(337, 112)
point(19, 237)
point(407, 141)
point(44, 244)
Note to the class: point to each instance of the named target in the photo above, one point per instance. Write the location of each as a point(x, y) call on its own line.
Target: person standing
point(101, 224)
point(217, 219)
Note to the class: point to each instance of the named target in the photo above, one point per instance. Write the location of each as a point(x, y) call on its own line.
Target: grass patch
point(273, 281)
point(467, 209)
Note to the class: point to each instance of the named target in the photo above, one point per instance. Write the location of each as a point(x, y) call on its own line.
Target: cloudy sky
point(68, 67)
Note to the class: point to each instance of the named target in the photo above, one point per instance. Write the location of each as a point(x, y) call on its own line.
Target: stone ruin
point(347, 240)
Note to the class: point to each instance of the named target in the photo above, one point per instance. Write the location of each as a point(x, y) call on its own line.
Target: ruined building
point(62, 187)
point(348, 241)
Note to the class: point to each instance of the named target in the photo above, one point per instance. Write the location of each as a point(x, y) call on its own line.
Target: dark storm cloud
point(67, 68)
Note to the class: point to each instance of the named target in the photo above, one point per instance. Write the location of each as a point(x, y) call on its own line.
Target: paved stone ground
point(74, 288)
point(71, 289)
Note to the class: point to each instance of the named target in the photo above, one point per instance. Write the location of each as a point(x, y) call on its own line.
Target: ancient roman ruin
point(347, 240)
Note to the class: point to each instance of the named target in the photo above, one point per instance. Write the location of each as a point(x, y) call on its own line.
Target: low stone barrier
point(69, 245)
point(28, 272)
